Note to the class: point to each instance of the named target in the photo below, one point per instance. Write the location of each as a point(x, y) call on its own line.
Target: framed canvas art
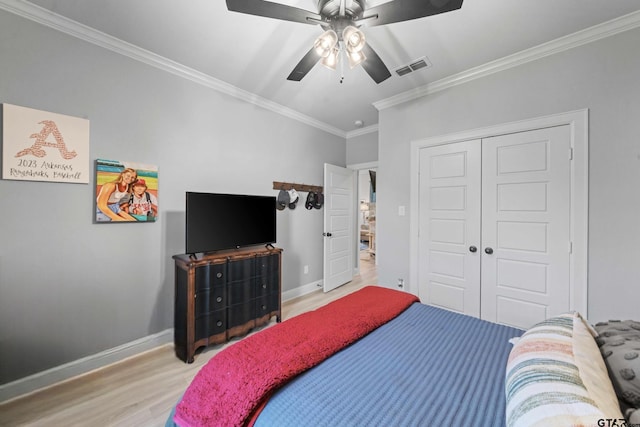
point(43, 146)
point(126, 192)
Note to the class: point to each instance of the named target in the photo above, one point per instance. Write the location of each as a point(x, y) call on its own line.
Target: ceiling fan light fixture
point(356, 58)
point(353, 38)
point(331, 60)
point(341, 20)
point(326, 43)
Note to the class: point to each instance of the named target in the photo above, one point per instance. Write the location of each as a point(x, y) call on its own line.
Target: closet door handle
point(488, 251)
point(472, 249)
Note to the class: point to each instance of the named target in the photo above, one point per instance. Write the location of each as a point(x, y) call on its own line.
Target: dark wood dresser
point(224, 294)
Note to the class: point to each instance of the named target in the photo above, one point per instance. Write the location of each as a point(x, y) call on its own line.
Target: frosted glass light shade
point(325, 43)
point(353, 38)
point(331, 60)
point(356, 58)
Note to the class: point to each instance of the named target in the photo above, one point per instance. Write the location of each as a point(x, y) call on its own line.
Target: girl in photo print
point(142, 204)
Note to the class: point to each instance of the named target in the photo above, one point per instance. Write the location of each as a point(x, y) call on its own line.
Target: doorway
point(367, 215)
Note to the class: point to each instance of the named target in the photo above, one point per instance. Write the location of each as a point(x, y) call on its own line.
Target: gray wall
point(362, 148)
point(601, 76)
point(70, 288)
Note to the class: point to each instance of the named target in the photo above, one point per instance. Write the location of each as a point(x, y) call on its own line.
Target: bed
point(380, 357)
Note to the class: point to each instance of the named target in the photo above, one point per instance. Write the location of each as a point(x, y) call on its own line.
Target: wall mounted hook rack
point(277, 185)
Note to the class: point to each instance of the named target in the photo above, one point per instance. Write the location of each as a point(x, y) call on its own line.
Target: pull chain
point(342, 59)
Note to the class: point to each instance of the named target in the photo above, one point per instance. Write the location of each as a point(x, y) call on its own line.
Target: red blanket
point(234, 383)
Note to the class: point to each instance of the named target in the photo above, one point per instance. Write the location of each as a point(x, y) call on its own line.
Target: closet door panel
point(525, 226)
point(449, 272)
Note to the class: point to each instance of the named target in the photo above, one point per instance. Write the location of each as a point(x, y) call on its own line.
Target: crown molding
point(52, 20)
point(597, 32)
point(73, 28)
point(362, 131)
point(362, 166)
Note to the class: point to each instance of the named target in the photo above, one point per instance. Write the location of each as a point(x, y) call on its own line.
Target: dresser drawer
point(240, 314)
point(241, 291)
point(213, 323)
point(267, 265)
point(267, 285)
point(267, 304)
point(209, 276)
point(210, 300)
point(241, 269)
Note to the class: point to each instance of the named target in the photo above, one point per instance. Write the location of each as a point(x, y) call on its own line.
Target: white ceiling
point(256, 54)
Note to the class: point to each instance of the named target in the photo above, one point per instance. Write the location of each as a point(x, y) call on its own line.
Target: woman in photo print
point(112, 194)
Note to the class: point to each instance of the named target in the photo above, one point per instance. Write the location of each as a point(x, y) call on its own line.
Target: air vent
point(418, 64)
point(413, 66)
point(404, 70)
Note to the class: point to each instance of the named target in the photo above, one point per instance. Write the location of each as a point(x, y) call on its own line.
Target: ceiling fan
point(341, 20)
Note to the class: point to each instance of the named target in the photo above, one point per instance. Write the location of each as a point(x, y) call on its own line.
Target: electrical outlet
point(401, 283)
point(306, 269)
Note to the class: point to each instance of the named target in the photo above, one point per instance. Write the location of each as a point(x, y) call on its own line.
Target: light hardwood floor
point(141, 390)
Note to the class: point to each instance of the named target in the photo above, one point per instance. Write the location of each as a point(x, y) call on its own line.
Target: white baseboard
point(65, 372)
point(82, 366)
point(302, 290)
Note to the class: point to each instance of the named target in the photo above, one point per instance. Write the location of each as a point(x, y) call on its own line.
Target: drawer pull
point(219, 275)
point(264, 286)
point(219, 299)
point(219, 323)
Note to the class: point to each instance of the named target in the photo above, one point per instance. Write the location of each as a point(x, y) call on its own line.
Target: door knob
point(488, 251)
point(472, 249)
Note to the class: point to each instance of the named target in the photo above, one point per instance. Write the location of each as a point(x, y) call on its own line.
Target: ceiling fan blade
point(374, 66)
point(273, 10)
point(406, 10)
point(304, 66)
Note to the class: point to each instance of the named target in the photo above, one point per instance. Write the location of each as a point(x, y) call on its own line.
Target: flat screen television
point(216, 222)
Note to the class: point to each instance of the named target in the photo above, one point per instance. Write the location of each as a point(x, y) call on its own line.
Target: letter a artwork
point(44, 146)
point(49, 128)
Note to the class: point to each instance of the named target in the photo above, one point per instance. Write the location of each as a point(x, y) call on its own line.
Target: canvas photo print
point(126, 192)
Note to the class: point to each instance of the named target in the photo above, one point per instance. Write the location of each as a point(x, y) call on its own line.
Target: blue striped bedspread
point(426, 367)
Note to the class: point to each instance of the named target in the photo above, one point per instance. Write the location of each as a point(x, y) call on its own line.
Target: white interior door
point(526, 184)
point(449, 241)
point(338, 233)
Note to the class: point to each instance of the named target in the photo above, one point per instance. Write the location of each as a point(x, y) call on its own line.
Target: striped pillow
point(556, 377)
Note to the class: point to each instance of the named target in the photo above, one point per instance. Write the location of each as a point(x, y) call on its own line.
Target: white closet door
point(449, 242)
point(526, 186)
